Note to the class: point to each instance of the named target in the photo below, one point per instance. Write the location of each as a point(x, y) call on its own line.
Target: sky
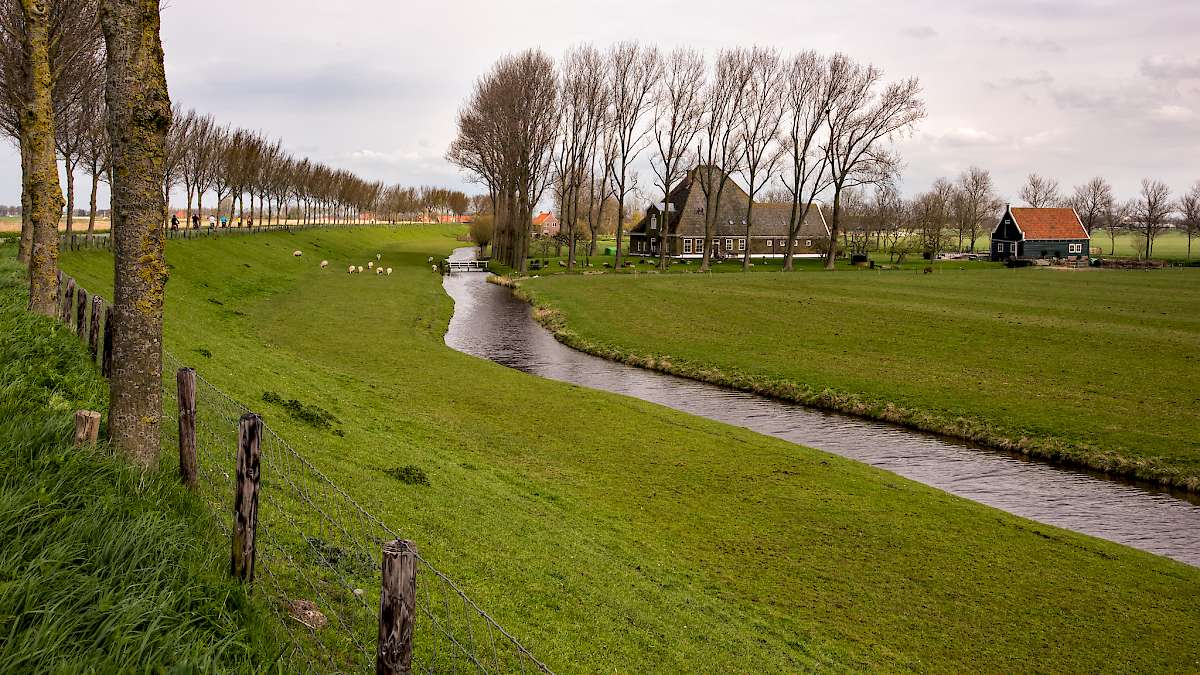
point(1066, 88)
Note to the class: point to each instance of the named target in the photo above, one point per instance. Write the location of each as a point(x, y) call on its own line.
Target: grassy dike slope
point(683, 546)
point(101, 569)
point(1096, 368)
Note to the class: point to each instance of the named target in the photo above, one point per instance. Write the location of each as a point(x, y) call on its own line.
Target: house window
point(1013, 247)
point(741, 243)
point(808, 242)
point(770, 243)
point(653, 244)
point(654, 222)
point(729, 244)
point(1000, 247)
point(1076, 248)
point(687, 245)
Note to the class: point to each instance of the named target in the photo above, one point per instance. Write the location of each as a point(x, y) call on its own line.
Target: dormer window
point(654, 222)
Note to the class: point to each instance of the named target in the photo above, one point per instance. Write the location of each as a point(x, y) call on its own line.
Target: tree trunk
point(831, 254)
point(70, 197)
point(139, 115)
point(26, 242)
point(92, 203)
point(45, 193)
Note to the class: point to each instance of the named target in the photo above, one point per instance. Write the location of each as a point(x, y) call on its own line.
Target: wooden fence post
point(94, 327)
point(68, 305)
point(245, 501)
point(185, 381)
point(397, 608)
point(87, 427)
point(81, 298)
point(106, 359)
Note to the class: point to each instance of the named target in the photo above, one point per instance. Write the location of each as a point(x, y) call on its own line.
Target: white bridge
point(467, 266)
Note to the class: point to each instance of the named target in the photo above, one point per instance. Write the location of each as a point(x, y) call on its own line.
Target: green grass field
point(102, 570)
point(612, 535)
point(1095, 367)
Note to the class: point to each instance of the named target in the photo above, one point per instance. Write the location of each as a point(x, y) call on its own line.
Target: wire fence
point(319, 556)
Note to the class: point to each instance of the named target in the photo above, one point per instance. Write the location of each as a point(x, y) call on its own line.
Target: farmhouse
point(1039, 233)
point(545, 225)
point(682, 228)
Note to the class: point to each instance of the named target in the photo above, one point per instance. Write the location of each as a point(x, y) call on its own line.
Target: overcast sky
point(1069, 88)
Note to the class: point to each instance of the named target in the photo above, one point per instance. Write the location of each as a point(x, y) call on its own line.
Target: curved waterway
point(491, 323)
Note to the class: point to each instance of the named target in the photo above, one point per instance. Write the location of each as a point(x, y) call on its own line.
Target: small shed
point(1040, 233)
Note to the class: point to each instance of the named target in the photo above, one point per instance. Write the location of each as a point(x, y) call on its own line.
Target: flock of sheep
point(356, 269)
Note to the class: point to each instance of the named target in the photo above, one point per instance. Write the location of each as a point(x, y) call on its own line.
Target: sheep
point(370, 265)
point(297, 254)
point(378, 271)
point(430, 259)
point(389, 271)
point(324, 264)
point(359, 269)
point(351, 270)
point(378, 256)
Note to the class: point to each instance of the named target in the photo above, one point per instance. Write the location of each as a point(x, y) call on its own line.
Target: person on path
point(212, 222)
point(174, 221)
point(195, 221)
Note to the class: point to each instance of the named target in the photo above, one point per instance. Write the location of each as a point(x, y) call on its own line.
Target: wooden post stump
point(87, 427)
point(106, 359)
point(81, 299)
point(68, 305)
point(397, 608)
point(185, 381)
point(94, 327)
point(245, 500)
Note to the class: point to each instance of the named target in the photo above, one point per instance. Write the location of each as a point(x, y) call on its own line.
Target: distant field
point(13, 224)
point(1097, 367)
point(613, 535)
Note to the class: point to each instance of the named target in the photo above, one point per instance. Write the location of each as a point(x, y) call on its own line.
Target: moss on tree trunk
point(139, 115)
point(44, 191)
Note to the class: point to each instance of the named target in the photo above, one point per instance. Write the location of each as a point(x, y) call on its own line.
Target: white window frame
point(653, 245)
point(808, 243)
point(1013, 247)
point(741, 243)
point(1075, 248)
point(770, 243)
point(728, 243)
point(687, 246)
point(999, 247)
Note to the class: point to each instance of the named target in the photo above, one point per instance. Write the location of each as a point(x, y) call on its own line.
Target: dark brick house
point(682, 231)
point(1040, 233)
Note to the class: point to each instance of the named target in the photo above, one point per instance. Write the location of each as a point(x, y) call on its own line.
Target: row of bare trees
point(813, 123)
point(1147, 215)
point(56, 56)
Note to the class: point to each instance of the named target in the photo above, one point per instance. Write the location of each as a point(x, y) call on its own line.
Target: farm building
point(545, 225)
point(1039, 233)
point(682, 230)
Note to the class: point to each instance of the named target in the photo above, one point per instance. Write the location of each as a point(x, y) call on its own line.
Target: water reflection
point(490, 323)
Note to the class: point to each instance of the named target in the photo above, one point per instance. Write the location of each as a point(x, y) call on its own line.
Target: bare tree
point(96, 148)
point(1151, 213)
point(808, 98)
point(584, 92)
point(1040, 192)
point(720, 147)
point(931, 212)
point(974, 204)
point(1091, 201)
point(633, 72)
point(677, 116)
point(758, 122)
point(139, 115)
point(37, 127)
point(1189, 215)
point(178, 140)
point(859, 120)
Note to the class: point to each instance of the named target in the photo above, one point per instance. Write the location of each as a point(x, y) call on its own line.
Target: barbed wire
point(319, 550)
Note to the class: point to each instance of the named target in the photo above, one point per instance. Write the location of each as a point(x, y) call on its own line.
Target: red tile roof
point(541, 217)
point(1049, 223)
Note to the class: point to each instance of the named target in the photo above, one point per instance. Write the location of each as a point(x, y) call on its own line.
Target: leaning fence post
point(87, 427)
point(245, 500)
point(397, 607)
point(106, 359)
point(81, 298)
point(185, 380)
point(94, 327)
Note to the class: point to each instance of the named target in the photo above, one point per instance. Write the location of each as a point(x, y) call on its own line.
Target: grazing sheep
point(324, 264)
point(359, 268)
point(378, 256)
point(297, 253)
point(370, 265)
point(378, 271)
point(389, 271)
point(351, 270)
point(430, 259)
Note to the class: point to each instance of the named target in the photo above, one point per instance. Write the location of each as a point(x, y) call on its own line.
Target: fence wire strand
point(319, 554)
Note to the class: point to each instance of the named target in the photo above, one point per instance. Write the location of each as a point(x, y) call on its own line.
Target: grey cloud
point(1171, 68)
point(1039, 79)
point(920, 32)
